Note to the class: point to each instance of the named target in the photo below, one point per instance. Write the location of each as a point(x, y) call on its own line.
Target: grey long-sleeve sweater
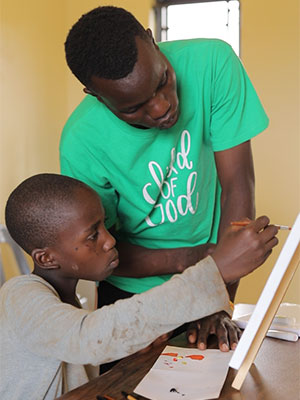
point(45, 345)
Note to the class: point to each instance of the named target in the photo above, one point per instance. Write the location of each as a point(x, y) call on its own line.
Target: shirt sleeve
point(46, 326)
point(237, 114)
point(77, 161)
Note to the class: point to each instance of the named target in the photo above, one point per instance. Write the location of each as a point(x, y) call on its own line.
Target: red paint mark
point(195, 357)
point(175, 359)
point(170, 354)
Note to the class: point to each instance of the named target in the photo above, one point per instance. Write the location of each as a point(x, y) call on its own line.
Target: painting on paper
point(187, 374)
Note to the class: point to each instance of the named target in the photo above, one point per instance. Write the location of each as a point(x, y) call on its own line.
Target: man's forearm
point(234, 208)
point(232, 289)
point(137, 261)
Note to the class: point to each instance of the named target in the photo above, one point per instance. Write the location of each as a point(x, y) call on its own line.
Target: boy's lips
point(115, 261)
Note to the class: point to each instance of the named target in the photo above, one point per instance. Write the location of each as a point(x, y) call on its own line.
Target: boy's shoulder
point(23, 285)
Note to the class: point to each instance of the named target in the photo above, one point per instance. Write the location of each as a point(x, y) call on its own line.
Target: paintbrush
point(245, 223)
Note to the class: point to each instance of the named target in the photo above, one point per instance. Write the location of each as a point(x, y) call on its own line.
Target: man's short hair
point(34, 210)
point(102, 44)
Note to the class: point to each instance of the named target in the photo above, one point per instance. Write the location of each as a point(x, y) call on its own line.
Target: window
point(202, 19)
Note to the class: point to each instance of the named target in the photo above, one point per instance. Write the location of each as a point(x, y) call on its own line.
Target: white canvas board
point(267, 296)
point(185, 373)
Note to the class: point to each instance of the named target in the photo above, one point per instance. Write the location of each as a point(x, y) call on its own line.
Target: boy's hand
point(242, 249)
point(218, 324)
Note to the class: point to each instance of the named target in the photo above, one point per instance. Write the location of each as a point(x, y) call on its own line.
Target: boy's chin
point(105, 275)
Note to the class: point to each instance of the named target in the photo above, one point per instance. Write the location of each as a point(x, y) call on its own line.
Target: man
point(164, 137)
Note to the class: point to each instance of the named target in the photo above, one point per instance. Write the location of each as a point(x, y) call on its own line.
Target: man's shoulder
point(87, 109)
point(190, 45)
point(85, 122)
point(195, 54)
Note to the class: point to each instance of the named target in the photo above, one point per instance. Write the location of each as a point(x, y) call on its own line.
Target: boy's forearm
point(137, 321)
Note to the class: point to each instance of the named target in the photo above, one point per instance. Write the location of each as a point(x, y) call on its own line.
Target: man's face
point(84, 248)
point(146, 97)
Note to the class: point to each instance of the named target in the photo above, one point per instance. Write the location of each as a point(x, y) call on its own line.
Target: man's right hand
point(242, 249)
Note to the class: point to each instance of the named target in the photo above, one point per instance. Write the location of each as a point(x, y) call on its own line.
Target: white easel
point(267, 305)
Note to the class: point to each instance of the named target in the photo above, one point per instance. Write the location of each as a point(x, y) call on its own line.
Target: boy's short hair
point(33, 212)
point(102, 44)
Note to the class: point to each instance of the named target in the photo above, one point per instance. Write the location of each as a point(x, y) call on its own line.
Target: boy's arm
point(49, 328)
point(37, 319)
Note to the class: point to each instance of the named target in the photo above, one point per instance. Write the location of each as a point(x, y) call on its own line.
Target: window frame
point(160, 4)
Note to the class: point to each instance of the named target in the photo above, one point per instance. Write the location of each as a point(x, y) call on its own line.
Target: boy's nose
point(109, 243)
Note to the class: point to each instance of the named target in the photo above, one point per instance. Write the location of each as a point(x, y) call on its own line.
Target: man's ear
point(150, 34)
point(44, 259)
point(88, 91)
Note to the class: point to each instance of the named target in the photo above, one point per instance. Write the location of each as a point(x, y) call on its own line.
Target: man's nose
point(158, 106)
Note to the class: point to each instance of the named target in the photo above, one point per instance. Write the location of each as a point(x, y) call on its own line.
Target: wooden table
point(274, 376)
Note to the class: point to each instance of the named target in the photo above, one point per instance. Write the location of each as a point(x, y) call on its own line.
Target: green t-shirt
point(161, 186)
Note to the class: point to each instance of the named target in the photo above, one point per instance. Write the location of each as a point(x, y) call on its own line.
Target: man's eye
point(164, 81)
point(131, 110)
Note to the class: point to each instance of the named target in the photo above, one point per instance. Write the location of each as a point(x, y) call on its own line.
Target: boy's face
point(84, 248)
point(147, 97)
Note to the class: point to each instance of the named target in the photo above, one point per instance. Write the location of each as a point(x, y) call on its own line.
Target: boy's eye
point(94, 236)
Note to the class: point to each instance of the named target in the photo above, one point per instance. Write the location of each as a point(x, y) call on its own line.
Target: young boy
point(46, 339)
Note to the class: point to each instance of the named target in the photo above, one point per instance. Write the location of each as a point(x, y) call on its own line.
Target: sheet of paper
point(187, 374)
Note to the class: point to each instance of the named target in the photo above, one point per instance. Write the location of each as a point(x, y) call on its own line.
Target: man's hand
point(218, 324)
point(242, 250)
point(157, 342)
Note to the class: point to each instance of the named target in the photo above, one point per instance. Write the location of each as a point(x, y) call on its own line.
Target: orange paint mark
point(195, 357)
point(170, 354)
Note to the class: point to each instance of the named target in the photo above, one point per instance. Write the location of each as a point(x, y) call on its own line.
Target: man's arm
point(137, 261)
point(236, 174)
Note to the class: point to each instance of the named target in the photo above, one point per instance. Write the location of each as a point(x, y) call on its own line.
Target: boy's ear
point(44, 259)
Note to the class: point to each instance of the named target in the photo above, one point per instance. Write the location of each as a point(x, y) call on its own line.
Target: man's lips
point(169, 121)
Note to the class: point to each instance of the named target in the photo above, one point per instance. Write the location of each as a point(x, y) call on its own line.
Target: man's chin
point(170, 123)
